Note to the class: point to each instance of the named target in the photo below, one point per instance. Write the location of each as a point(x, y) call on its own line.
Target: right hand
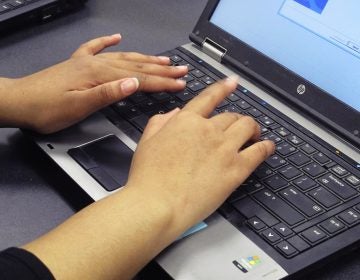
point(192, 163)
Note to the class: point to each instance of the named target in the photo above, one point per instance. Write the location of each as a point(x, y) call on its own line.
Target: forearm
point(111, 239)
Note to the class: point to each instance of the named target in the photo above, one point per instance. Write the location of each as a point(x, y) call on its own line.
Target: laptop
point(14, 13)
point(299, 65)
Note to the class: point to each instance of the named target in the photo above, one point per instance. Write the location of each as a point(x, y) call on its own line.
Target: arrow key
point(256, 223)
point(286, 249)
point(284, 230)
point(270, 235)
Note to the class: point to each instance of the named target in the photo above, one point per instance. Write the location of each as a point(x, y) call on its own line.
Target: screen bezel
point(321, 104)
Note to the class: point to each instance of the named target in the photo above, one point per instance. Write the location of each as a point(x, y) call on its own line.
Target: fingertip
point(116, 36)
point(270, 147)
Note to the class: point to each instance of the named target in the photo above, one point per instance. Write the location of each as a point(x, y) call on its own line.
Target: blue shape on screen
point(315, 5)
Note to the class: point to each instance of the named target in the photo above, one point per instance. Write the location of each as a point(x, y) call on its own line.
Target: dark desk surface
point(35, 195)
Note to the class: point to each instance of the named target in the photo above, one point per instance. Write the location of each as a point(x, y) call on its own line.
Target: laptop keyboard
point(304, 194)
point(8, 5)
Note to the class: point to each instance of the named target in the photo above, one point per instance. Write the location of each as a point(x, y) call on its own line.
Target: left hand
point(66, 93)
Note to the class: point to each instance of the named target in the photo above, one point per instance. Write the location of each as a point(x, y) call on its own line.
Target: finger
point(148, 83)
point(156, 123)
point(224, 120)
point(242, 131)
point(206, 102)
point(97, 45)
point(253, 156)
point(103, 95)
point(149, 68)
point(135, 57)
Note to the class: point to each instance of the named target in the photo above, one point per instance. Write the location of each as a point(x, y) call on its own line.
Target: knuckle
point(106, 93)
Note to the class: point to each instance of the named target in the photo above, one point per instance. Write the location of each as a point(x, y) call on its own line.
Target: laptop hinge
point(213, 49)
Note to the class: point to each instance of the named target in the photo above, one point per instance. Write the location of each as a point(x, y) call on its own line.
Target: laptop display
point(319, 40)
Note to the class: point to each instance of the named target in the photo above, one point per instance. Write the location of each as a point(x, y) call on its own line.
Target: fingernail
point(117, 36)
point(234, 78)
point(182, 67)
point(129, 86)
point(164, 59)
point(181, 82)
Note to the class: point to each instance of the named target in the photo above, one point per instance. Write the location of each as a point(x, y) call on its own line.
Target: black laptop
point(299, 63)
point(15, 13)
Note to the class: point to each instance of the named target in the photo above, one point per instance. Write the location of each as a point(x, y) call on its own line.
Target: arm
point(66, 93)
point(173, 184)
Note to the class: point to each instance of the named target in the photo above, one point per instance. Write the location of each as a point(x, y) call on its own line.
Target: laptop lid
point(304, 52)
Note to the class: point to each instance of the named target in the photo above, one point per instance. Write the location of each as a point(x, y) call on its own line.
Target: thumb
point(103, 95)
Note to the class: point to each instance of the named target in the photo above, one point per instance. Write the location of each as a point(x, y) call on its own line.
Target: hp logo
point(301, 89)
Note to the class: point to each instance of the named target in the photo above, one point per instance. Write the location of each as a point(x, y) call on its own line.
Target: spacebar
point(279, 207)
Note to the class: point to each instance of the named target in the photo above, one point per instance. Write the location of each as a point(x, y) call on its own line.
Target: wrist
point(11, 105)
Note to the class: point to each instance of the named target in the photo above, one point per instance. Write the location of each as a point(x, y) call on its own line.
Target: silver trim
point(213, 49)
point(209, 255)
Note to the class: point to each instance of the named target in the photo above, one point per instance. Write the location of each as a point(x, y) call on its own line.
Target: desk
point(35, 195)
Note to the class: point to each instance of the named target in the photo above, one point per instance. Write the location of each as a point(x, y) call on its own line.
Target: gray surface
point(35, 196)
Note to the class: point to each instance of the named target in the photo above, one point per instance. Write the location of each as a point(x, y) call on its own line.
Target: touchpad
point(107, 160)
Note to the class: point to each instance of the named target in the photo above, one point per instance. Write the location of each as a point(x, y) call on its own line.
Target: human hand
point(192, 163)
point(66, 93)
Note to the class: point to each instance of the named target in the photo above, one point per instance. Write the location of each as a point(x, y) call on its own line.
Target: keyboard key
point(161, 96)
point(286, 249)
point(308, 149)
point(256, 223)
point(289, 172)
point(140, 121)
point(187, 78)
point(301, 201)
point(224, 103)
point(230, 109)
point(321, 158)
point(207, 80)
point(332, 225)
point(350, 216)
point(270, 236)
point(279, 207)
point(172, 104)
point(295, 140)
point(324, 197)
point(195, 86)
point(339, 170)
point(283, 230)
point(184, 95)
point(251, 186)
point(139, 97)
point(314, 235)
point(314, 169)
point(263, 171)
point(276, 182)
point(304, 183)
point(282, 131)
point(285, 149)
point(298, 243)
point(254, 112)
point(233, 97)
point(249, 208)
point(299, 159)
point(175, 58)
point(338, 186)
point(243, 104)
point(265, 120)
point(197, 73)
point(272, 137)
point(275, 161)
point(354, 181)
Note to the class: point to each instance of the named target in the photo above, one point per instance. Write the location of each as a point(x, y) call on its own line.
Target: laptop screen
point(317, 39)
